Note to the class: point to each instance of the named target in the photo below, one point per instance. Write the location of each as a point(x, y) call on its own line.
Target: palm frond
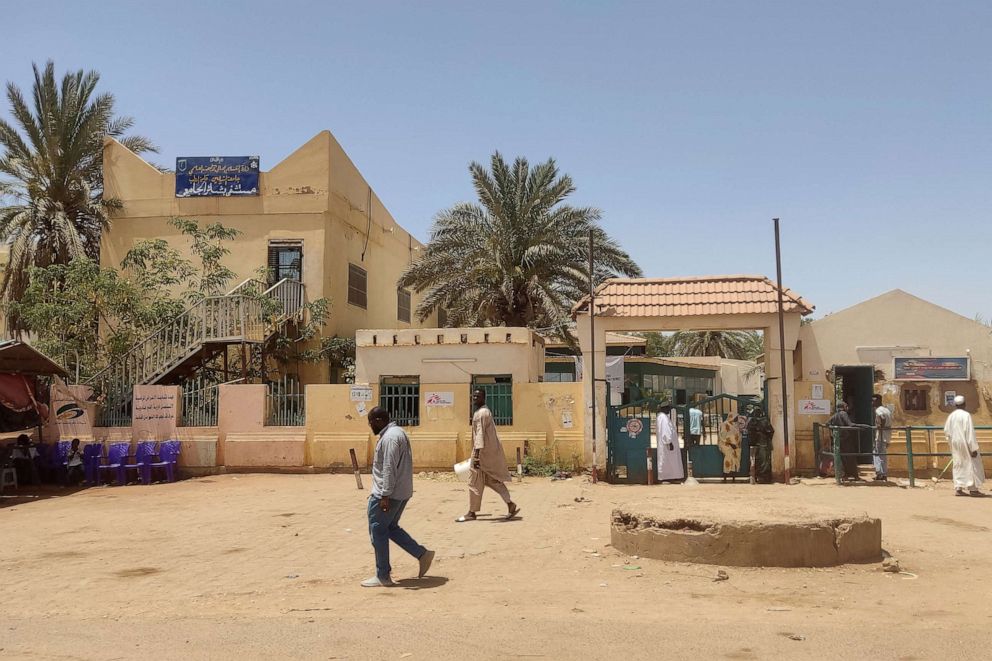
point(51, 157)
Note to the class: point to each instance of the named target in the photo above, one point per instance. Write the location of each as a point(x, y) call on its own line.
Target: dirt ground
point(268, 566)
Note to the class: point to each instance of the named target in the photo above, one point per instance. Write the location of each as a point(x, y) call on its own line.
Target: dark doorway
point(855, 384)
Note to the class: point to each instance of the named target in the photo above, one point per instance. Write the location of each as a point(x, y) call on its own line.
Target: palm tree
point(51, 172)
point(519, 257)
point(739, 345)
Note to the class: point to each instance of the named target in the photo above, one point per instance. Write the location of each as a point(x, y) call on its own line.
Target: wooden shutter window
point(358, 282)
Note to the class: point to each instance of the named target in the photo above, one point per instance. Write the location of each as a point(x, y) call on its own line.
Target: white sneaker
point(375, 582)
point(425, 563)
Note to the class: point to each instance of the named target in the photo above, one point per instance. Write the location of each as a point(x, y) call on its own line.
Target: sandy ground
point(268, 566)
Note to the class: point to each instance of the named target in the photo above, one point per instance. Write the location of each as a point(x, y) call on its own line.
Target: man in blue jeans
point(392, 488)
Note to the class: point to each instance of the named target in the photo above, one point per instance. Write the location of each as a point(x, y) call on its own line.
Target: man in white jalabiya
point(669, 454)
point(969, 474)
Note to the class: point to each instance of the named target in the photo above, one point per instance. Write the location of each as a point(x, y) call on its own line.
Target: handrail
point(910, 453)
point(212, 319)
point(249, 281)
point(199, 307)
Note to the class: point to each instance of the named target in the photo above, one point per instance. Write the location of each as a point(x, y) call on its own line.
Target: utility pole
point(781, 353)
point(592, 354)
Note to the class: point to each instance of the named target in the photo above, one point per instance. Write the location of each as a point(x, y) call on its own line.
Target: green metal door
point(628, 440)
point(705, 454)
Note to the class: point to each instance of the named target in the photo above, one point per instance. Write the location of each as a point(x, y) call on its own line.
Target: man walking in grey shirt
point(392, 488)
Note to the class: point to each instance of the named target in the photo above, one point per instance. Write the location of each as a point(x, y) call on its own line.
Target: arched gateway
point(725, 302)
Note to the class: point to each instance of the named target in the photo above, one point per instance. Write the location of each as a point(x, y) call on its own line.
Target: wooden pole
point(520, 466)
point(354, 465)
point(781, 353)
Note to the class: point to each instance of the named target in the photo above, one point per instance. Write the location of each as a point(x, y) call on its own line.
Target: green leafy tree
point(88, 316)
point(519, 257)
point(52, 209)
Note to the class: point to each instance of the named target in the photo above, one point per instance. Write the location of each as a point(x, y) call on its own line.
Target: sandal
point(513, 511)
point(466, 517)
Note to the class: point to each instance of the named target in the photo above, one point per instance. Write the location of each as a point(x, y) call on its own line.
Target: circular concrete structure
point(765, 536)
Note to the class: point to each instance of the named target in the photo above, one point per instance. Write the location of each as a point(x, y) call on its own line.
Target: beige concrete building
point(315, 219)
point(896, 345)
point(449, 355)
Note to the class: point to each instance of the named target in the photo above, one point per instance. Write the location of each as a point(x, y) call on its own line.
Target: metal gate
point(702, 435)
point(628, 441)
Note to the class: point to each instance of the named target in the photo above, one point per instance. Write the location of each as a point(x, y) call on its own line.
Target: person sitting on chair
point(74, 464)
point(23, 456)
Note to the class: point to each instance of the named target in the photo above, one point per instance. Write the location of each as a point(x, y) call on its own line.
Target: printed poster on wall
point(814, 407)
point(817, 391)
point(361, 393)
point(439, 399)
point(949, 396)
point(71, 415)
point(931, 369)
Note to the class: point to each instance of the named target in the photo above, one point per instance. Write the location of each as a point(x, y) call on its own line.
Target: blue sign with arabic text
point(202, 176)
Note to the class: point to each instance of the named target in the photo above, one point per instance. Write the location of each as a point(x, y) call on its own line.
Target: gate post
point(838, 467)
point(650, 466)
point(910, 468)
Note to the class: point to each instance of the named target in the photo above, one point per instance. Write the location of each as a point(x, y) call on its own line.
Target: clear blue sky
point(866, 126)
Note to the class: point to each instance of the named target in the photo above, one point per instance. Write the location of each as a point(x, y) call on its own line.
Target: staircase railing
point(238, 316)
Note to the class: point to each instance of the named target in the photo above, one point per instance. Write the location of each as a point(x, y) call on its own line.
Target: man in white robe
point(669, 454)
point(969, 474)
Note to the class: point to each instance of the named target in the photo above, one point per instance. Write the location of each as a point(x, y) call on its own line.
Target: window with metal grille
point(915, 399)
point(285, 261)
point(358, 286)
point(403, 305)
point(499, 396)
point(400, 396)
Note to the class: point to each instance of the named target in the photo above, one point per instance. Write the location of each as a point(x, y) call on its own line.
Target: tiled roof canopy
point(691, 297)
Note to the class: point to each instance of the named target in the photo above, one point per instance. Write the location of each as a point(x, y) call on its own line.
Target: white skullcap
point(959, 400)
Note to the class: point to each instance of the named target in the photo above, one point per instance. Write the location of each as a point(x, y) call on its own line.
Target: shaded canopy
point(19, 358)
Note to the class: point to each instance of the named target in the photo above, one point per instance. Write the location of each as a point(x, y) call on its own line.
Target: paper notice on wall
point(155, 412)
point(566, 419)
point(949, 396)
point(814, 407)
point(360, 407)
point(361, 393)
point(817, 391)
point(614, 373)
point(439, 399)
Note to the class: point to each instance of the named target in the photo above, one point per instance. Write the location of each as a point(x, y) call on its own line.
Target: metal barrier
point(286, 404)
point(836, 454)
point(199, 403)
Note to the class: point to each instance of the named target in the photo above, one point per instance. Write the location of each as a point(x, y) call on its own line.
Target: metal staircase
point(251, 313)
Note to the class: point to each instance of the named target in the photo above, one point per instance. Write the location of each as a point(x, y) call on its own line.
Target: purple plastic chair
point(92, 457)
point(168, 457)
point(116, 458)
point(58, 459)
point(142, 461)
